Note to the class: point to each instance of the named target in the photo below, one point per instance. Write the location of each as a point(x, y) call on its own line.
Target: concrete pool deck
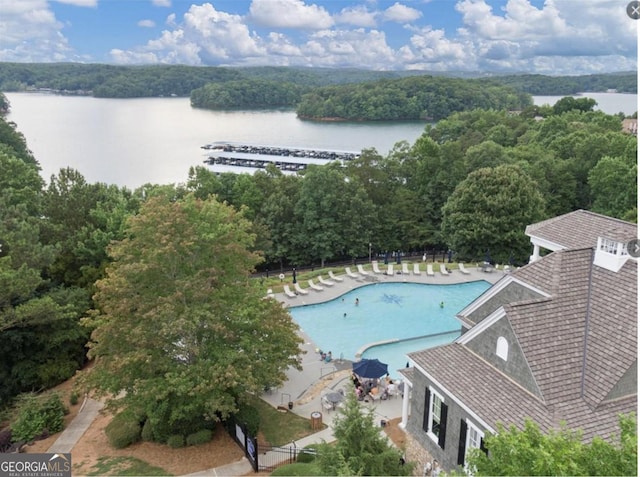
point(305, 388)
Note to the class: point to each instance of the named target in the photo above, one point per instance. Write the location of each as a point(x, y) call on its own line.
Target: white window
point(474, 436)
point(611, 246)
point(473, 441)
point(436, 414)
point(502, 348)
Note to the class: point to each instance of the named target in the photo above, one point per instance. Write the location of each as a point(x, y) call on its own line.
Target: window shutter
point(443, 425)
point(482, 447)
point(462, 441)
point(427, 410)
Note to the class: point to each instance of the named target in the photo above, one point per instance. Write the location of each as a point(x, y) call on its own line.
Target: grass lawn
point(124, 466)
point(280, 428)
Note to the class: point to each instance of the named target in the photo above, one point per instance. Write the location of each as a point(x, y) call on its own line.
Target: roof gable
point(580, 229)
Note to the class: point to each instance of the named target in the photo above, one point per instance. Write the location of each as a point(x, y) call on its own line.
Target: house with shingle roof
point(554, 341)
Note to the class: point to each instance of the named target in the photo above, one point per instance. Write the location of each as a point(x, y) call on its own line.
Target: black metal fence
point(249, 444)
point(271, 457)
point(263, 457)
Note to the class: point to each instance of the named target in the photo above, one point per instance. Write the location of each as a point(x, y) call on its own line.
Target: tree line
point(470, 183)
point(116, 81)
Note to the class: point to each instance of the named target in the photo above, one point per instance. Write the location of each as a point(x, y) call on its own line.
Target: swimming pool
point(387, 311)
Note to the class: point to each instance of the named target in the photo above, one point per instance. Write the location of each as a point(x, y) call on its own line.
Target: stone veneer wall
point(414, 452)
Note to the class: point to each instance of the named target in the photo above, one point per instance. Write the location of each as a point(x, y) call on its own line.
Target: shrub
point(175, 441)
point(124, 429)
point(73, 398)
point(5, 439)
point(147, 431)
point(306, 455)
point(35, 415)
point(250, 416)
point(200, 437)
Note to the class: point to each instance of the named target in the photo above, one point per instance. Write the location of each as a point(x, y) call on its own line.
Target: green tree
point(489, 210)
point(560, 452)
point(179, 330)
point(569, 103)
point(360, 447)
point(614, 186)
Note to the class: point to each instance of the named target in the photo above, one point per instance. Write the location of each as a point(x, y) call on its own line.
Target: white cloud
point(562, 34)
point(146, 23)
point(289, 14)
point(358, 16)
point(401, 13)
point(357, 48)
point(205, 36)
point(161, 3)
point(80, 3)
point(29, 32)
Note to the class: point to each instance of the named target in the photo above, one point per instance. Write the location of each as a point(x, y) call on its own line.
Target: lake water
point(610, 103)
point(131, 142)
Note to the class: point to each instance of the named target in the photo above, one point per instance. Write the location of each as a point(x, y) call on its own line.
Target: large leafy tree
point(42, 340)
point(560, 452)
point(489, 210)
point(614, 186)
point(180, 333)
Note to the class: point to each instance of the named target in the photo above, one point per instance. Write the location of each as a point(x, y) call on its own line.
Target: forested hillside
point(164, 80)
point(470, 183)
point(422, 97)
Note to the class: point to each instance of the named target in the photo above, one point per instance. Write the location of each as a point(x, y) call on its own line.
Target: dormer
point(610, 254)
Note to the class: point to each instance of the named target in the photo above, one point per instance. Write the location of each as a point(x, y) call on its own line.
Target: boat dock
point(246, 158)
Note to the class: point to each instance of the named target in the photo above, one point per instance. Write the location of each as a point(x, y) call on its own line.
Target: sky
point(552, 37)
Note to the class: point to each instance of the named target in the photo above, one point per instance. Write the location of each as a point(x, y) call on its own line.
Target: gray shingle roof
point(489, 393)
point(591, 319)
point(578, 343)
point(582, 228)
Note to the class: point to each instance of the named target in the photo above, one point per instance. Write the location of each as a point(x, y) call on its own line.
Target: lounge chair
point(350, 273)
point(333, 277)
point(390, 269)
point(362, 271)
point(324, 282)
point(430, 270)
point(288, 292)
point(375, 267)
point(443, 269)
point(314, 286)
point(270, 293)
point(462, 269)
point(405, 268)
point(416, 269)
point(300, 290)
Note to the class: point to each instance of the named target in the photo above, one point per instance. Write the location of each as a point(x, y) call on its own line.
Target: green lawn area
point(125, 466)
point(280, 428)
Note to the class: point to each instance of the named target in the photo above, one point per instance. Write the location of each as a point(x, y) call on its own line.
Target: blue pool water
point(387, 311)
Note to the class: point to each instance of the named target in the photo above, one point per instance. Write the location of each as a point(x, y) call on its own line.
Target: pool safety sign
point(35, 465)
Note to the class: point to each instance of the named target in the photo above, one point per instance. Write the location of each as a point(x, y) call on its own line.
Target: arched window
point(502, 348)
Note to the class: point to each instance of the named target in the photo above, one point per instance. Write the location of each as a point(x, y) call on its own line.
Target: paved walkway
point(77, 427)
point(303, 388)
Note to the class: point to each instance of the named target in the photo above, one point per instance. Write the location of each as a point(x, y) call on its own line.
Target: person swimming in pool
point(357, 301)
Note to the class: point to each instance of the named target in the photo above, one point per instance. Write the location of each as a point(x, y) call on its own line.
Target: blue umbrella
point(294, 276)
point(398, 258)
point(386, 258)
point(370, 368)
